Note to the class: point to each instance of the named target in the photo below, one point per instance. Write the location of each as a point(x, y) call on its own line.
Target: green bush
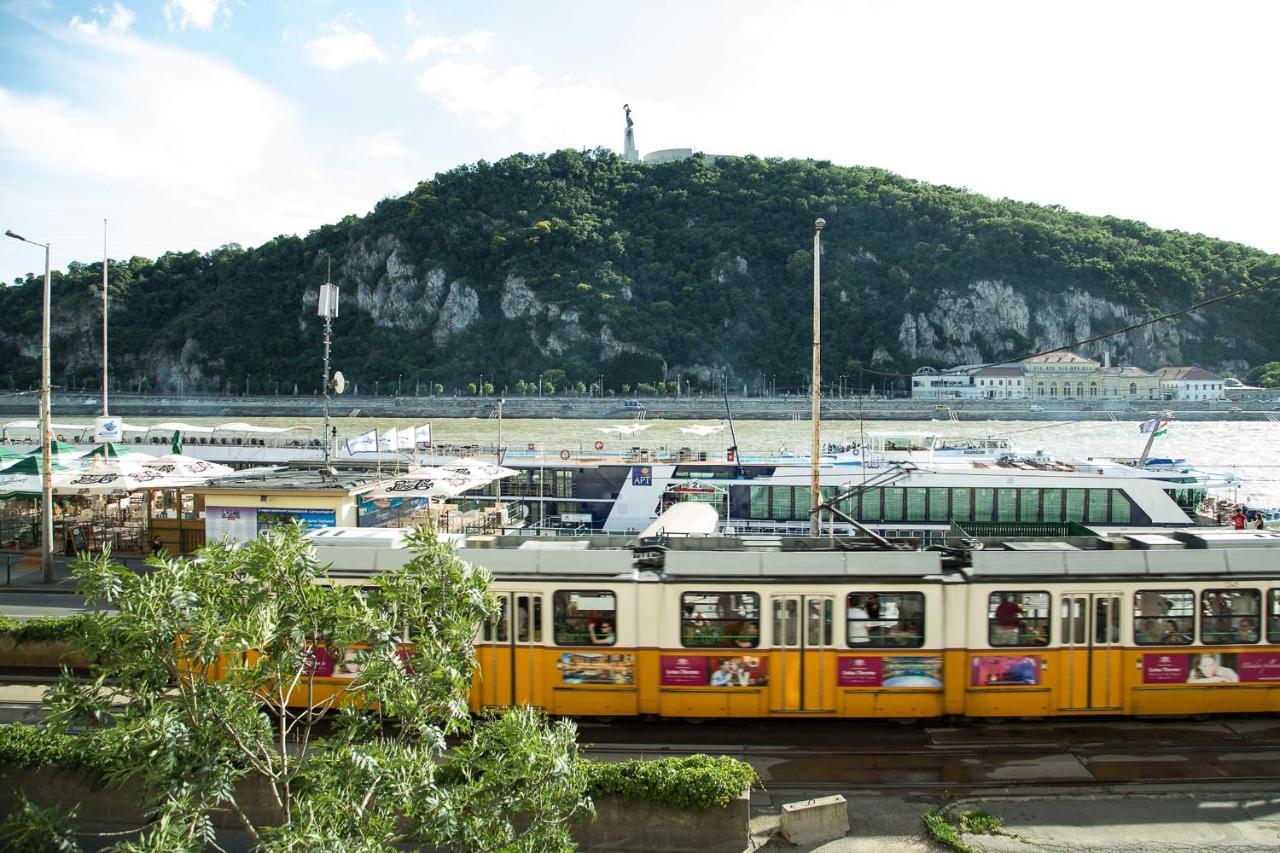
point(697, 782)
point(34, 746)
point(44, 628)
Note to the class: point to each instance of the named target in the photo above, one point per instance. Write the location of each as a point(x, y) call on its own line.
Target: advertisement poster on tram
point(1210, 668)
point(1005, 670)
point(890, 671)
point(593, 668)
point(715, 671)
point(326, 665)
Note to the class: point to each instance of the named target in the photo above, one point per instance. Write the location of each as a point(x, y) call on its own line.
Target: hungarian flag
point(1155, 425)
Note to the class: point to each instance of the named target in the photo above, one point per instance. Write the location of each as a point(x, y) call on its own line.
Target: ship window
point(1029, 507)
point(585, 617)
point(1075, 505)
point(1098, 505)
point(780, 503)
point(1018, 619)
point(983, 504)
point(962, 504)
point(870, 505)
point(720, 620)
point(759, 502)
point(1121, 507)
point(938, 510)
point(916, 504)
point(893, 504)
point(800, 498)
point(1008, 505)
point(1228, 616)
point(1164, 617)
point(885, 619)
point(1051, 508)
point(1273, 616)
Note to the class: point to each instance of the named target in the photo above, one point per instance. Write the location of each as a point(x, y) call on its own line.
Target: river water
point(1249, 450)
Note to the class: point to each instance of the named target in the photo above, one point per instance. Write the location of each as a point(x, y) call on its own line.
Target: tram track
point(866, 756)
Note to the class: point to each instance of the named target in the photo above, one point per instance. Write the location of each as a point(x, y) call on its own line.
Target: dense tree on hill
point(580, 265)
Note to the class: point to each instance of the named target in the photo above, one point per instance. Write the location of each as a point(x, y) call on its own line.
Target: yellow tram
point(709, 627)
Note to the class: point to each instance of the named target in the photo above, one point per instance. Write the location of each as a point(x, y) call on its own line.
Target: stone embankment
point(86, 405)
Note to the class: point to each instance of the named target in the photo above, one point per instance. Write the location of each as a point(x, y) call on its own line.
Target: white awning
point(171, 426)
point(36, 425)
point(242, 427)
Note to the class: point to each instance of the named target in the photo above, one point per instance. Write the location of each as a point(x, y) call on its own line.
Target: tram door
point(803, 670)
point(1090, 668)
point(509, 649)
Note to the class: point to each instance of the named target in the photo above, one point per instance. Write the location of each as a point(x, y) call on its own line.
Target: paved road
point(28, 605)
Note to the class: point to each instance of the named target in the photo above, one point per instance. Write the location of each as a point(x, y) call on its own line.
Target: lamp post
point(815, 384)
point(46, 428)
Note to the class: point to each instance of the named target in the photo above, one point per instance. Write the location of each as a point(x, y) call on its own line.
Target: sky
point(189, 124)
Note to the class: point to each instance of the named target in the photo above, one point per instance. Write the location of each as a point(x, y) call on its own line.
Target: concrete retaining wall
point(83, 406)
point(630, 826)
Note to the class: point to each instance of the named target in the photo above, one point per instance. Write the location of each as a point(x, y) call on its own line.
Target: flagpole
point(104, 318)
point(1146, 451)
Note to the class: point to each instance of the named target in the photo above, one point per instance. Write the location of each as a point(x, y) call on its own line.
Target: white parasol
point(105, 477)
point(176, 466)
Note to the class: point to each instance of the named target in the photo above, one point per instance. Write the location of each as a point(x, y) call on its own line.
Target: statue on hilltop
point(629, 152)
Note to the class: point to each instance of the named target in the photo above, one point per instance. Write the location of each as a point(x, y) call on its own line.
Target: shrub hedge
point(43, 628)
point(697, 782)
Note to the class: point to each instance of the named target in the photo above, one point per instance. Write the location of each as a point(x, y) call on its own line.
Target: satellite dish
point(339, 382)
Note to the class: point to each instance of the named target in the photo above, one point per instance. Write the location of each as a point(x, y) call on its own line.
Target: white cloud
point(199, 14)
point(342, 48)
point(180, 151)
point(474, 42)
point(118, 21)
point(387, 145)
point(544, 113)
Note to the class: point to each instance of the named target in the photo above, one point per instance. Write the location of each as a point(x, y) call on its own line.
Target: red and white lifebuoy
point(599, 445)
point(531, 446)
point(564, 454)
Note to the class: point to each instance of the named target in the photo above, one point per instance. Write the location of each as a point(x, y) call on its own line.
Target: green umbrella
point(7, 453)
point(111, 450)
point(57, 448)
point(175, 444)
point(32, 465)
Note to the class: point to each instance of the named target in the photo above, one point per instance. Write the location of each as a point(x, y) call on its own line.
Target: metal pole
point(104, 318)
point(327, 310)
point(815, 524)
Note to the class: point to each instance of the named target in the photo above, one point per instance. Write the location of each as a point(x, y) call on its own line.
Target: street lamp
point(815, 384)
point(46, 428)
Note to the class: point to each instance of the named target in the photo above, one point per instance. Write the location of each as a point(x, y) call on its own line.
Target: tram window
point(495, 628)
point(1018, 619)
point(720, 620)
point(585, 617)
point(885, 619)
point(1229, 616)
point(1164, 617)
point(1273, 616)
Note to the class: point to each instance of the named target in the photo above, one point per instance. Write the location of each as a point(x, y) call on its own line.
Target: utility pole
point(104, 318)
point(327, 307)
point(815, 384)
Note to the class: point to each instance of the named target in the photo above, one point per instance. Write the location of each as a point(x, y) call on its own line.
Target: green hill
point(581, 263)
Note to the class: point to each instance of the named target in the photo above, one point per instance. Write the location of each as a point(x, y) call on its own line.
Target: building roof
point(1136, 372)
point(1059, 357)
point(1187, 374)
point(998, 371)
point(297, 479)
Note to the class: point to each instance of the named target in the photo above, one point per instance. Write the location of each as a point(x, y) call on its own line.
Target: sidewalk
point(20, 571)
point(1226, 818)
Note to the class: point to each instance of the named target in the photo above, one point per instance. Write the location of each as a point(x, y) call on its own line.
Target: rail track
point(928, 757)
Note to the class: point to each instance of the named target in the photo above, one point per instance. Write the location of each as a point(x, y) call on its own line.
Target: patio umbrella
point(475, 469)
point(111, 450)
point(428, 483)
point(105, 477)
point(175, 465)
point(57, 448)
point(22, 478)
point(8, 454)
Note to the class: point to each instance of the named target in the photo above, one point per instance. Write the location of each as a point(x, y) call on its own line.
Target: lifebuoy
point(531, 447)
point(564, 454)
point(599, 445)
